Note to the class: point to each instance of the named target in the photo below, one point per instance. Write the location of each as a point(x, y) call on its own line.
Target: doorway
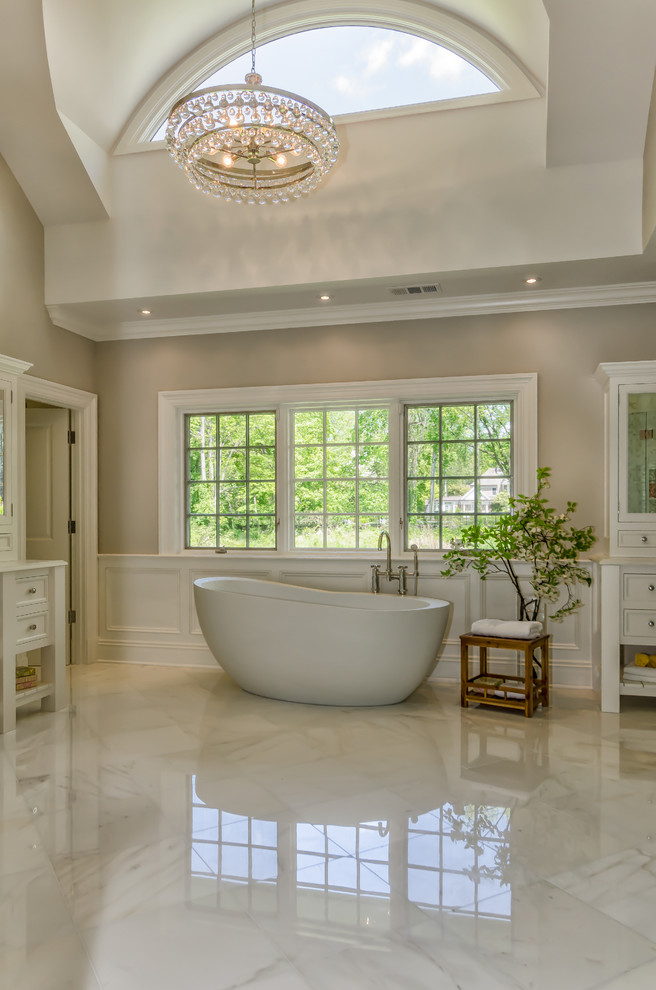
point(49, 523)
point(66, 410)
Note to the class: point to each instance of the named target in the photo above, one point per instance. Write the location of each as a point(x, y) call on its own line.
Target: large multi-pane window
point(340, 477)
point(458, 469)
point(311, 472)
point(231, 480)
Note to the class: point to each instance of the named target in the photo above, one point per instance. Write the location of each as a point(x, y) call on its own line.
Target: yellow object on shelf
point(641, 660)
point(652, 659)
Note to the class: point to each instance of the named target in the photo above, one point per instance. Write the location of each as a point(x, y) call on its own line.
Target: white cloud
point(441, 63)
point(377, 56)
point(345, 84)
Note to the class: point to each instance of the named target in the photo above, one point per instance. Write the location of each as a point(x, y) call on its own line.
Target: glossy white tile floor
point(173, 832)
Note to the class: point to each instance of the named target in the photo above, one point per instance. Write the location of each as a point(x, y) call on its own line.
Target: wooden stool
point(487, 688)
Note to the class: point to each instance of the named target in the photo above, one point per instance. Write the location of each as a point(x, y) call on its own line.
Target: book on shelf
point(25, 672)
point(23, 683)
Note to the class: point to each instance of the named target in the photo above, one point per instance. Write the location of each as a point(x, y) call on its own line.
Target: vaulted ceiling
point(470, 200)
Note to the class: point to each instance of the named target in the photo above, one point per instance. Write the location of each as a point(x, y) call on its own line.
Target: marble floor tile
point(171, 830)
point(39, 946)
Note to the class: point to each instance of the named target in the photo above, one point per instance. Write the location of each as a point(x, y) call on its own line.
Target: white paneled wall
point(147, 612)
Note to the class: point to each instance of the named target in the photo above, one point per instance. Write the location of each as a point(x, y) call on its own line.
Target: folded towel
point(647, 675)
point(506, 628)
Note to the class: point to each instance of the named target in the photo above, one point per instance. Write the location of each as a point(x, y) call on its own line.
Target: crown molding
point(13, 366)
point(631, 372)
point(528, 301)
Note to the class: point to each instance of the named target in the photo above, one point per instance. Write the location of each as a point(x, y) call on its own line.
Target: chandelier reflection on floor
point(250, 143)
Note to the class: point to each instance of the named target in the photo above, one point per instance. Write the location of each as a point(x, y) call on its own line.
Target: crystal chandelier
point(250, 143)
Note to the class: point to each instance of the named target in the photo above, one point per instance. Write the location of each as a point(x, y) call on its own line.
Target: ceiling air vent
point(416, 290)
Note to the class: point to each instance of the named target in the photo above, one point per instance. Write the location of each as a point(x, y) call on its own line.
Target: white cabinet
point(628, 626)
point(32, 592)
point(32, 611)
point(628, 571)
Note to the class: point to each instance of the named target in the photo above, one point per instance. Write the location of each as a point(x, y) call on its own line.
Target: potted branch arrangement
point(534, 533)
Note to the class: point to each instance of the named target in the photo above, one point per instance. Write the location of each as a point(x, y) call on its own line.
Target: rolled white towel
point(506, 628)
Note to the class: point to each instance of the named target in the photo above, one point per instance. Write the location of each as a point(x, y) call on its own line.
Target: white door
point(47, 482)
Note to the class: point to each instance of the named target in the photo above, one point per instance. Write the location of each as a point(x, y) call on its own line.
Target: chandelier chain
point(253, 36)
point(249, 144)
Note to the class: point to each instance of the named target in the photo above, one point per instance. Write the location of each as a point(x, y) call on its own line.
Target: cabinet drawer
point(639, 590)
point(639, 623)
point(637, 539)
point(31, 627)
point(32, 589)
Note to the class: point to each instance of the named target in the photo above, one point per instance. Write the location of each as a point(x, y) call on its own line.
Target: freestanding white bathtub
point(320, 647)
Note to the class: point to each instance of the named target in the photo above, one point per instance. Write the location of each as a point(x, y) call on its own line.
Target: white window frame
point(521, 389)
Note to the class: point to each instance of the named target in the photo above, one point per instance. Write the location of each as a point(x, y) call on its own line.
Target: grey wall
point(564, 347)
point(25, 328)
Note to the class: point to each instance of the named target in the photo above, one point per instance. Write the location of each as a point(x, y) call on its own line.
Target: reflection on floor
point(171, 831)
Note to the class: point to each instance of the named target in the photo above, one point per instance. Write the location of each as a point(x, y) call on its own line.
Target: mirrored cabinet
point(628, 569)
point(638, 424)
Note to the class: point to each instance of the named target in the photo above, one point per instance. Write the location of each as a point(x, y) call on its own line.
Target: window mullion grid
point(395, 476)
point(357, 477)
point(404, 483)
point(440, 478)
point(325, 479)
point(248, 480)
point(477, 484)
point(187, 485)
point(513, 446)
point(286, 480)
point(219, 476)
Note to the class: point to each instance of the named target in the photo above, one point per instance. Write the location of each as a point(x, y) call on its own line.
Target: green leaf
point(534, 533)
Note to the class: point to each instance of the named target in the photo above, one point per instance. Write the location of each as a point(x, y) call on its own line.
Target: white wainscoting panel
point(143, 601)
point(334, 581)
point(147, 610)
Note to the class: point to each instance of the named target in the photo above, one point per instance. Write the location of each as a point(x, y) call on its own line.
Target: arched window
point(352, 58)
point(351, 70)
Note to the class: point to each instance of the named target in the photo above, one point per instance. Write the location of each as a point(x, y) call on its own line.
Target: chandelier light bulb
point(234, 141)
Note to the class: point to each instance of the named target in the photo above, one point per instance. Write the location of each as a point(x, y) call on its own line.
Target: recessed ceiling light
point(532, 279)
point(144, 312)
point(325, 297)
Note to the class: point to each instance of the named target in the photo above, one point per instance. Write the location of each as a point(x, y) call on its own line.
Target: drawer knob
point(643, 539)
point(33, 626)
point(31, 591)
point(650, 587)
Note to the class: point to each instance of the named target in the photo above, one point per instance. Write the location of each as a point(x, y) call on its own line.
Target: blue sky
point(352, 69)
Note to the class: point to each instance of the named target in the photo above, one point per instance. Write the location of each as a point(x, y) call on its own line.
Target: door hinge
point(71, 436)
point(72, 527)
point(72, 616)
